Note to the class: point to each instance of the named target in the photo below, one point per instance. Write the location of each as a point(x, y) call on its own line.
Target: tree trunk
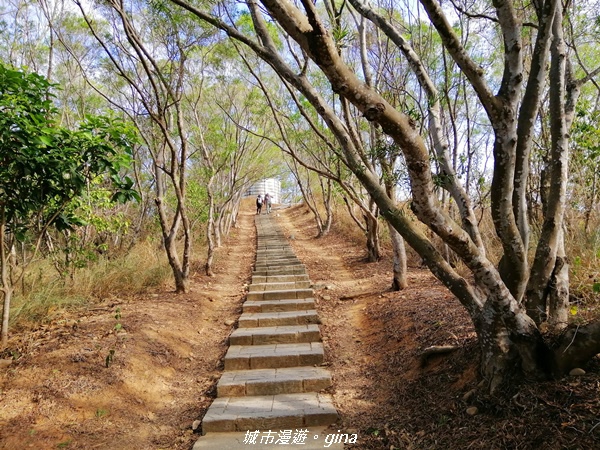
point(545, 261)
point(327, 194)
point(7, 297)
point(511, 346)
point(210, 232)
point(558, 297)
point(399, 266)
point(6, 288)
point(372, 234)
point(509, 338)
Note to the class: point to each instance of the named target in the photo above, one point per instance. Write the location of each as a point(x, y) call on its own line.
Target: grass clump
point(44, 296)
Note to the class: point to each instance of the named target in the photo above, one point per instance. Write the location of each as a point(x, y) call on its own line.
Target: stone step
point(276, 256)
point(287, 294)
point(280, 278)
point(257, 279)
point(283, 262)
point(269, 412)
point(285, 334)
point(279, 305)
point(272, 271)
point(272, 243)
point(275, 250)
point(286, 380)
point(273, 319)
point(272, 356)
point(280, 286)
point(273, 246)
point(278, 265)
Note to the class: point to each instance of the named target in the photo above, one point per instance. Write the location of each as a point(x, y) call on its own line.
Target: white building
point(272, 186)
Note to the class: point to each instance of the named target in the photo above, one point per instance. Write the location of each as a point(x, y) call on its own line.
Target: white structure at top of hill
point(272, 186)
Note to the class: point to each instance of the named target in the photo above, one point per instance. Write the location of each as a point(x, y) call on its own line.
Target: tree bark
point(6, 287)
point(509, 338)
point(546, 252)
point(399, 281)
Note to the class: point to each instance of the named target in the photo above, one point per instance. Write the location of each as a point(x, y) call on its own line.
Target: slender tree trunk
point(308, 197)
point(591, 204)
point(558, 297)
point(6, 289)
point(210, 232)
point(372, 234)
point(169, 232)
point(217, 228)
point(326, 191)
point(7, 293)
point(545, 261)
point(399, 266)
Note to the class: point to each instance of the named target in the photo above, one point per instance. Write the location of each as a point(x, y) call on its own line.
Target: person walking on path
point(268, 202)
point(259, 203)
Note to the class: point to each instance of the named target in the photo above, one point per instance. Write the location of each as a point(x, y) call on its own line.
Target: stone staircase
point(273, 374)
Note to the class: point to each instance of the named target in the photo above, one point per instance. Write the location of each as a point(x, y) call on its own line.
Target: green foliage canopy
point(44, 166)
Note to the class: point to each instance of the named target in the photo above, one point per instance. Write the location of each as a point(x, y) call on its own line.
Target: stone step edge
point(272, 412)
point(273, 319)
point(258, 306)
point(283, 294)
point(286, 380)
point(273, 356)
point(285, 334)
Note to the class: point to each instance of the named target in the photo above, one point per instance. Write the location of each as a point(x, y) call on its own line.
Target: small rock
point(196, 425)
point(472, 410)
point(151, 416)
point(229, 322)
point(327, 297)
point(4, 363)
point(468, 395)
point(577, 372)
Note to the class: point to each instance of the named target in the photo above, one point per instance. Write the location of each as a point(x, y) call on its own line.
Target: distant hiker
point(259, 203)
point(268, 202)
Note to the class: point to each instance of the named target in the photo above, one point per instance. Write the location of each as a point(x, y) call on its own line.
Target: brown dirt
point(59, 394)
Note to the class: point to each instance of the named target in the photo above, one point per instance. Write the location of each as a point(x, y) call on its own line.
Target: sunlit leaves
point(43, 166)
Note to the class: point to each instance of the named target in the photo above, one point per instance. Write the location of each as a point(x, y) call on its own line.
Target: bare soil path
point(384, 391)
point(167, 360)
point(60, 394)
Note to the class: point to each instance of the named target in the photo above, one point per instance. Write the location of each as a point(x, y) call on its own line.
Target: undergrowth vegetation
point(44, 295)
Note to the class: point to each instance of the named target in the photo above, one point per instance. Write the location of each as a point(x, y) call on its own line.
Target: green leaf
point(596, 287)
point(573, 310)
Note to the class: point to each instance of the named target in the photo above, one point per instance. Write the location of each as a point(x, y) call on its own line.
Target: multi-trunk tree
point(508, 301)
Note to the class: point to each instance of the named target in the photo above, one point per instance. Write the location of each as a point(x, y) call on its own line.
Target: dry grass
point(582, 247)
point(46, 295)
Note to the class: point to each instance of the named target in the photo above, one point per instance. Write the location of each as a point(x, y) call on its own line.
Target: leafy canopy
point(44, 166)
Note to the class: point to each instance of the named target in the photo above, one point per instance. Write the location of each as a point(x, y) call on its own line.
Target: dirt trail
point(59, 394)
point(374, 339)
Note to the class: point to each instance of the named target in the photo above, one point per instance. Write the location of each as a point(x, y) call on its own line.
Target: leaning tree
point(510, 301)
